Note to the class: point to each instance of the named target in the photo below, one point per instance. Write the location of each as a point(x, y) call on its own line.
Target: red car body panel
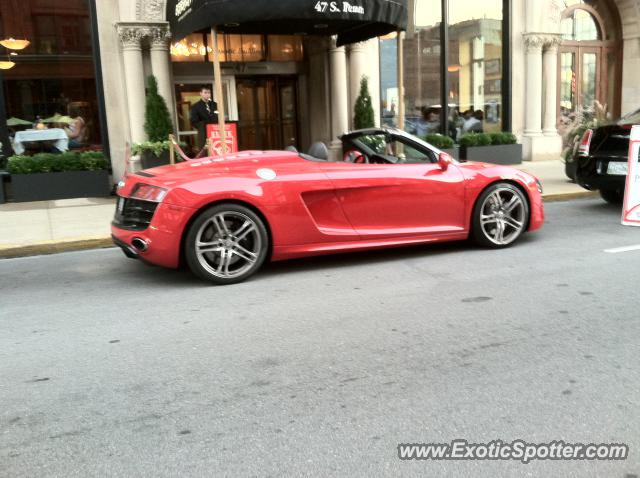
point(313, 207)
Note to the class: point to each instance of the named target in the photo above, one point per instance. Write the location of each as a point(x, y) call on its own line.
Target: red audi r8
point(225, 216)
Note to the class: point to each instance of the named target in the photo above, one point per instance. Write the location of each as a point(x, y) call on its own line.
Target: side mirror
point(444, 161)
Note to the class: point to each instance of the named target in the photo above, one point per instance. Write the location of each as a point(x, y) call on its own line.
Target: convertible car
point(225, 216)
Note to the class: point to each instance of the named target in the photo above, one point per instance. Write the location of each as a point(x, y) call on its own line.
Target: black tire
point(224, 257)
point(497, 216)
point(612, 196)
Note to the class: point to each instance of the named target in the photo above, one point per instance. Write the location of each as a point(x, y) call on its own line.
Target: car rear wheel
point(226, 244)
point(500, 216)
point(612, 196)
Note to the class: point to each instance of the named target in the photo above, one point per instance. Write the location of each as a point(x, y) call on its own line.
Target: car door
point(414, 196)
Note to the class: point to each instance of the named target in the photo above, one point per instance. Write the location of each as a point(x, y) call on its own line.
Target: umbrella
point(57, 118)
point(13, 121)
point(351, 22)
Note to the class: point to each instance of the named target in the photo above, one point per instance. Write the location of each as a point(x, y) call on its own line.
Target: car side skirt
point(281, 253)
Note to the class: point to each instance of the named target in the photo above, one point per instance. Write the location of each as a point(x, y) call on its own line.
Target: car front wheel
point(226, 244)
point(500, 216)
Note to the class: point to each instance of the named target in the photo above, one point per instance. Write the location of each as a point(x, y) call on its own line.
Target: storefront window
point(475, 66)
point(238, 48)
point(52, 83)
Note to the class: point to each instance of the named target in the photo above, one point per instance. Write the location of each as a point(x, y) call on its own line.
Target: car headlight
point(146, 192)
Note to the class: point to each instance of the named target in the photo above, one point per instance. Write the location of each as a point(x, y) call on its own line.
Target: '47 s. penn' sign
point(338, 7)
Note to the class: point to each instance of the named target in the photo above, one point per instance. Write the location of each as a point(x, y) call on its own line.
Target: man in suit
point(203, 112)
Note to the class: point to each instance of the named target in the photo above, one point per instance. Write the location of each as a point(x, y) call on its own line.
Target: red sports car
point(224, 216)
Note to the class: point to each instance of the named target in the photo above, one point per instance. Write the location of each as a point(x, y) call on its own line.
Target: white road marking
point(623, 249)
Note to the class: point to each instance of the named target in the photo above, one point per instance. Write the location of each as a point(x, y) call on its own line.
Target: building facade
point(529, 66)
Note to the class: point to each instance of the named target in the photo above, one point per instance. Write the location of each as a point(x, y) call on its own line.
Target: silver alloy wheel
point(228, 244)
point(502, 216)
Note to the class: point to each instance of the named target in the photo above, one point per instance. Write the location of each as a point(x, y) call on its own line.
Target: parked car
point(225, 216)
point(602, 157)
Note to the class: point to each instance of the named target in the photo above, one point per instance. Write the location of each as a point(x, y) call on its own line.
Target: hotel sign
point(338, 7)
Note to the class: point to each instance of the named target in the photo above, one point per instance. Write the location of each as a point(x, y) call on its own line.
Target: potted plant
point(496, 148)
point(584, 119)
point(48, 176)
point(158, 126)
point(363, 110)
point(443, 143)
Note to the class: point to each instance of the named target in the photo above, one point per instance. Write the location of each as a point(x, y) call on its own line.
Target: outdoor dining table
point(58, 135)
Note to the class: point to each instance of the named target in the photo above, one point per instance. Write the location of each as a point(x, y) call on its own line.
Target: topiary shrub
point(157, 122)
point(439, 141)
point(363, 109)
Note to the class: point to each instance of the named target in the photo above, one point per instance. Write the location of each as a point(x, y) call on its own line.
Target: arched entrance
point(589, 58)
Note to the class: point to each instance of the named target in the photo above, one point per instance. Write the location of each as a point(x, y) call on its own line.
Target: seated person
point(77, 131)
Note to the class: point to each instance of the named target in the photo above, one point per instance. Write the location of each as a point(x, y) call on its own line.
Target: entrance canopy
point(352, 21)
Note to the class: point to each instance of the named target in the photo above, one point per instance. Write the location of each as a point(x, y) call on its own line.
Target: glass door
point(579, 82)
point(267, 113)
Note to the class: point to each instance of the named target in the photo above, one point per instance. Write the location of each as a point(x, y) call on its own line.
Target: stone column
point(550, 68)
point(357, 69)
point(131, 37)
point(339, 102)
point(533, 118)
point(159, 38)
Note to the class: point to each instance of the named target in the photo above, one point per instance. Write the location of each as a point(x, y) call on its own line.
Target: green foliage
point(503, 138)
point(156, 147)
point(439, 141)
point(53, 163)
point(585, 118)
point(485, 139)
point(363, 110)
point(157, 122)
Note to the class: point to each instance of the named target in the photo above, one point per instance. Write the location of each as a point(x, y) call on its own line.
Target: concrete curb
point(81, 244)
point(54, 247)
point(569, 196)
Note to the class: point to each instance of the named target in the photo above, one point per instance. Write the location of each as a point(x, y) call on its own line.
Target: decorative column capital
point(552, 43)
point(358, 47)
point(333, 45)
point(159, 37)
point(130, 36)
point(534, 42)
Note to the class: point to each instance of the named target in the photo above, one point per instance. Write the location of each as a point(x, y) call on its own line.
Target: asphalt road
point(321, 367)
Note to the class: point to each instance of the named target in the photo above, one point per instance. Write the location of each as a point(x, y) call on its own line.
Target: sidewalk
point(48, 227)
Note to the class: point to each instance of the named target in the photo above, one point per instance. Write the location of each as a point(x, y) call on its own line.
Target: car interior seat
point(319, 151)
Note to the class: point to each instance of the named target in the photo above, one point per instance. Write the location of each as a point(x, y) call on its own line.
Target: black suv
point(602, 158)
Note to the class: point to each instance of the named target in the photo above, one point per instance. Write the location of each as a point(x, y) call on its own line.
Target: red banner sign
point(231, 138)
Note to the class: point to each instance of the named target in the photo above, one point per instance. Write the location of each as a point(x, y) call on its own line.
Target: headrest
point(319, 150)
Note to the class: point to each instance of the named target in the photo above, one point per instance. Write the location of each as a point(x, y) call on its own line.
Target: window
point(54, 76)
point(238, 48)
point(580, 26)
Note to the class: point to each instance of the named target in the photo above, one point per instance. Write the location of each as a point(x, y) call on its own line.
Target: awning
point(352, 21)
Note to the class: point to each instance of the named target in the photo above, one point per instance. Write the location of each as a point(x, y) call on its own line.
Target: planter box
point(65, 185)
point(149, 160)
point(453, 152)
point(502, 154)
point(3, 195)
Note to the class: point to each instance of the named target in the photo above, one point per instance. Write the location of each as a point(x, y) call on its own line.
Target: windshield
point(631, 118)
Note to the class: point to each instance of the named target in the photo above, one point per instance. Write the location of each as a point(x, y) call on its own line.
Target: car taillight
point(585, 143)
point(146, 192)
